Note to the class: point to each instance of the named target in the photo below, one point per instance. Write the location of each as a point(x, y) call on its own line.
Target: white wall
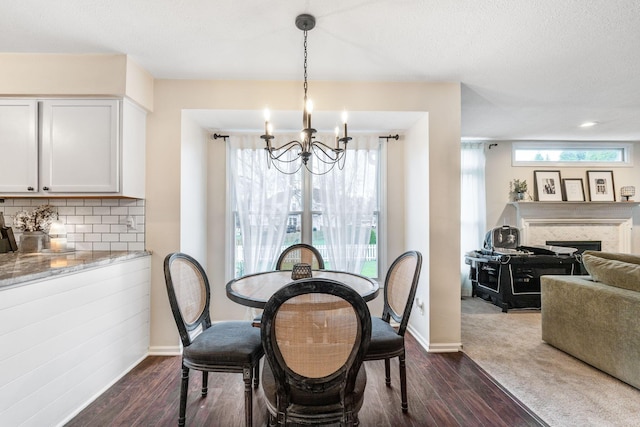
point(499, 174)
point(193, 190)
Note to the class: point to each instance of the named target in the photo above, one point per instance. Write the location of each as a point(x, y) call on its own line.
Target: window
point(338, 212)
point(590, 153)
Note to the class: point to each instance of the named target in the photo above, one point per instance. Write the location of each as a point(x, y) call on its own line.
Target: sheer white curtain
point(473, 203)
point(262, 198)
point(348, 201)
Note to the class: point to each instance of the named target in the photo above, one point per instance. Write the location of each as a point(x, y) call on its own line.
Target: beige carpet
point(560, 389)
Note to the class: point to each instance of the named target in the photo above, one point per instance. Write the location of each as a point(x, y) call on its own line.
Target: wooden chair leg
point(403, 382)
point(256, 375)
point(247, 374)
point(387, 372)
point(184, 387)
point(205, 383)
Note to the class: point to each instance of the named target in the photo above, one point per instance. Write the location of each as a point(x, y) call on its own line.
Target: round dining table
point(254, 290)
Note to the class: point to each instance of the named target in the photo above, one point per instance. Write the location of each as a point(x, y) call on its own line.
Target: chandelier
point(302, 151)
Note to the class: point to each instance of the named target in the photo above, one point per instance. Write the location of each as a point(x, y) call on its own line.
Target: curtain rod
point(388, 137)
point(217, 136)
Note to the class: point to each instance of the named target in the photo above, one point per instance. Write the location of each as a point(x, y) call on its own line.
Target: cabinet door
point(18, 146)
point(80, 146)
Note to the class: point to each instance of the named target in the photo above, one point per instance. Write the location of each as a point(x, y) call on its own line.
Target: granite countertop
point(17, 268)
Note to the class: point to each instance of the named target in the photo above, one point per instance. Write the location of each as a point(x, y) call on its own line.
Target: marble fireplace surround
point(609, 222)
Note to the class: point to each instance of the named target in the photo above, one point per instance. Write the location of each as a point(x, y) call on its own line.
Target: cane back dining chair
point(315, 333)
point(387, 342)
point(300, 253)
point(231, 346)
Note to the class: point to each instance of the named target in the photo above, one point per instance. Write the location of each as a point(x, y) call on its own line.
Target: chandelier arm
point(275, 165)
point(322, 144)
point(328, 157)
point(321, 173)
point(285, 149)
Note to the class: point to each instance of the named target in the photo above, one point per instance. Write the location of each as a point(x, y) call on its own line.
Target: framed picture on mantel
point(573, 190)
point(601, 187)
point(547, 186)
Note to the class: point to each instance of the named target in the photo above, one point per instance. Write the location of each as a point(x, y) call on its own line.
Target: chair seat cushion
point(385, 341)
point(225, 343)
point(304, 403)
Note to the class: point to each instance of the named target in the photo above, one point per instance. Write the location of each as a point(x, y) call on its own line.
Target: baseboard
point(169, 350)
point(434, 348)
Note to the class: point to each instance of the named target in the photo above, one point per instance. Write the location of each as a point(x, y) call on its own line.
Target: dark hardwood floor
point(444, 390)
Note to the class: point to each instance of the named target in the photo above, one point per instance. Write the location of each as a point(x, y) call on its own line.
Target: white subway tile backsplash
point(90, 219)
point(121, 210)
point(136, 247)
point(66, 210)
point(72, 219)
point(117, 228)
point(83, 228)
point(101, 228)
point(106, 219)
point(119, 246)
point(84, 210)
point(92, 224)
point(101, 210)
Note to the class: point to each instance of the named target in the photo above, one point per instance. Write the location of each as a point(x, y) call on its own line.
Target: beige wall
point(163, 185)
point(499, 174)
point(420, 218)
point(26, 74)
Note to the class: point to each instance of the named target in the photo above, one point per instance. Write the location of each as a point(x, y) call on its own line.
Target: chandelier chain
point(305, 65)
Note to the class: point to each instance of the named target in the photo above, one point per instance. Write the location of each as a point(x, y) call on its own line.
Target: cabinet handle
point(45, 188)
point(29, 188)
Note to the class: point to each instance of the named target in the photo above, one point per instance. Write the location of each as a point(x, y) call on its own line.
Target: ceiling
point(528, 69)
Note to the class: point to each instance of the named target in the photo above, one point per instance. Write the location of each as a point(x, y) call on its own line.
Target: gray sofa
point(596, 318)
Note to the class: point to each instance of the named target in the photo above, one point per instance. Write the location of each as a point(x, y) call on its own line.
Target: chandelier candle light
point(308, 145)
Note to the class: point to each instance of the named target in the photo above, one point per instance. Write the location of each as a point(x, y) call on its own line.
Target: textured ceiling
point(529, 69)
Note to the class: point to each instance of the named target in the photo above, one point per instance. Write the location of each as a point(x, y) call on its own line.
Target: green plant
point(519, 186)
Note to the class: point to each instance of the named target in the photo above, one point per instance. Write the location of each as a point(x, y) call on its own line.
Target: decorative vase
point(519, 196)
point(33, 241)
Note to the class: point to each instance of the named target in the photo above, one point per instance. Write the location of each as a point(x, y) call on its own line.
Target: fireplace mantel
point(574, 210)
point(608, 222)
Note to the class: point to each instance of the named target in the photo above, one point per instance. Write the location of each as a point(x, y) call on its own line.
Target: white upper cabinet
point(87, 147)
point(79, 146)
point(18, 145)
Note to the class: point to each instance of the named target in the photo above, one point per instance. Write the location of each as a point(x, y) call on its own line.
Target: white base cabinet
point(81, 147)
point(63, 341)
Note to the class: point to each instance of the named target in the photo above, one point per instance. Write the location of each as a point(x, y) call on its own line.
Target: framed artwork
point(573, 190)
point(601, 187)
point(547, 186)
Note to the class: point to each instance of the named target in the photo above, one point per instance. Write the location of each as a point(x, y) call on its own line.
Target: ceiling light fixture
point(308, 146)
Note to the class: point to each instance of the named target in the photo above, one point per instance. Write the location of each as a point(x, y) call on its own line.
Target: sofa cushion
point(630, 258)
point(619, 270)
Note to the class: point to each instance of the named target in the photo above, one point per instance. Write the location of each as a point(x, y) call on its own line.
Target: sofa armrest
point(595, 322)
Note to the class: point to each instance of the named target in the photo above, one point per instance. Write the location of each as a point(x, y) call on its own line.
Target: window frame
point(626, 147)
point(381, 238)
